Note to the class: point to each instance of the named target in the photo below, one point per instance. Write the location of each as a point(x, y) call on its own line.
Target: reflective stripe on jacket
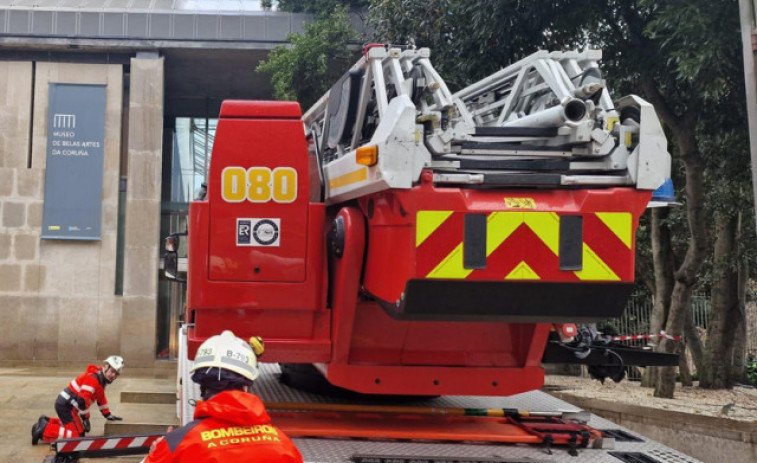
point(90, 386)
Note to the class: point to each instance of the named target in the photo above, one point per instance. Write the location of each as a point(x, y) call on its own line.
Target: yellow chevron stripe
point(499, 226)
point(594, 268)
point(426, 222)
point(545, 225)
point(619, 223)
point(522, 272)
point(451, 266)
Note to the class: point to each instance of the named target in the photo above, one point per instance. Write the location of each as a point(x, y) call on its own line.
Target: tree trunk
point(693, 341)
point(664, 267)
point(681, 302)
point(739, 339)
point(723, 307)
point(683, 367)
point(687, 274)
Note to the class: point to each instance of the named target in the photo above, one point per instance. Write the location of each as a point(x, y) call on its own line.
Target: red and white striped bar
point(107, 446)
point(634, 337)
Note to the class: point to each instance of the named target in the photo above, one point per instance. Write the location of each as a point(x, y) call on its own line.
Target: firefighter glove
point(113, 417)
point(85, 423)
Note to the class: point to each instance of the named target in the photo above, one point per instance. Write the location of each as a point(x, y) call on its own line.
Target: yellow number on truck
point(259, 184)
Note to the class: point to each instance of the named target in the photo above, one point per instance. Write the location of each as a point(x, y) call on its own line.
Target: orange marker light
point(367, 155)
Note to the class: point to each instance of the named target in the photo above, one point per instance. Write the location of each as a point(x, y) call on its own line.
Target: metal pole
point(749, 46)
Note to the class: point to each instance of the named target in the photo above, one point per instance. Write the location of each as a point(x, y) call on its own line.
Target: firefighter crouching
point(229, 424)
point(72, 404)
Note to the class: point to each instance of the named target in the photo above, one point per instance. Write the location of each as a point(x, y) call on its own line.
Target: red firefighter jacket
point(231, 426)
point(90, 386)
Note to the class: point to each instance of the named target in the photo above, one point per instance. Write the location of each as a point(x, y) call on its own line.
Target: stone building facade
point(59, 297)
point(69, 302)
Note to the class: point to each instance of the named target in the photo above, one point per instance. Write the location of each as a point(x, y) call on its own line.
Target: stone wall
point(143, 209)
point(57, 298)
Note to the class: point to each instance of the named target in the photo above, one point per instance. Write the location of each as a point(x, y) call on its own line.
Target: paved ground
point(26, 393)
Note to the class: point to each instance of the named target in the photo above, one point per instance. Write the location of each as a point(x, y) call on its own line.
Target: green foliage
point(471, 39)
point(314, 61)
point(751, 370)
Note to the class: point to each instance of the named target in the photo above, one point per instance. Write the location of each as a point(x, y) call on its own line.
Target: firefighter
point(72, 404)
point(229, 424)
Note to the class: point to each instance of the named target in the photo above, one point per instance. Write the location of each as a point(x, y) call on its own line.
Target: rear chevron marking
point(499, 226)
point(545, 225)
point(522, 272)
point(620, 224)
point(437, 236)
point(451, 266)
point(594, 268)
point(427, 222)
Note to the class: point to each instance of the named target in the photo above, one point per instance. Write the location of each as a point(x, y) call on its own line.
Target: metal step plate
point(325, 450)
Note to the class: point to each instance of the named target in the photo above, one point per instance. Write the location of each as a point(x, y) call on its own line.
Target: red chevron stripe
point(608, 247)
point(523, 245)
point(439, 244)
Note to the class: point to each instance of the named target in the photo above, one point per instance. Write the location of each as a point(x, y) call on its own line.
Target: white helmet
point(116, 362)
point(227, 352)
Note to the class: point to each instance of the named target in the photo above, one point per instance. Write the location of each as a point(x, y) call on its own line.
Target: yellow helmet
point(227, 352)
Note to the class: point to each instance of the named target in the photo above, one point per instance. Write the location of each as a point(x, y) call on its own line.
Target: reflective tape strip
point(75, 386)
point(103, 407)
point(88, 388)
point(207, 358)
point(61, 432)
point(240, 364)
point(349, 178)
point(65, 395)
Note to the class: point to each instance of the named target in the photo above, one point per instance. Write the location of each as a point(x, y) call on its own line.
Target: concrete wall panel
point(231, 28)
point(66, 286)
point(75, 339)
point(42, 22)
point(15, 343)
point(65, 23)
point(113, 24)
point(89, 24)
point(15, 112)
point(254, 28)
point(160, 26)
point(18, 21)
point(47, 316)
point(7, 181)
point(109, 328)
point(139, 331)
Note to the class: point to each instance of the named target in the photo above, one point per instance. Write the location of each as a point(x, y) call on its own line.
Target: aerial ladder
point(401, 240)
